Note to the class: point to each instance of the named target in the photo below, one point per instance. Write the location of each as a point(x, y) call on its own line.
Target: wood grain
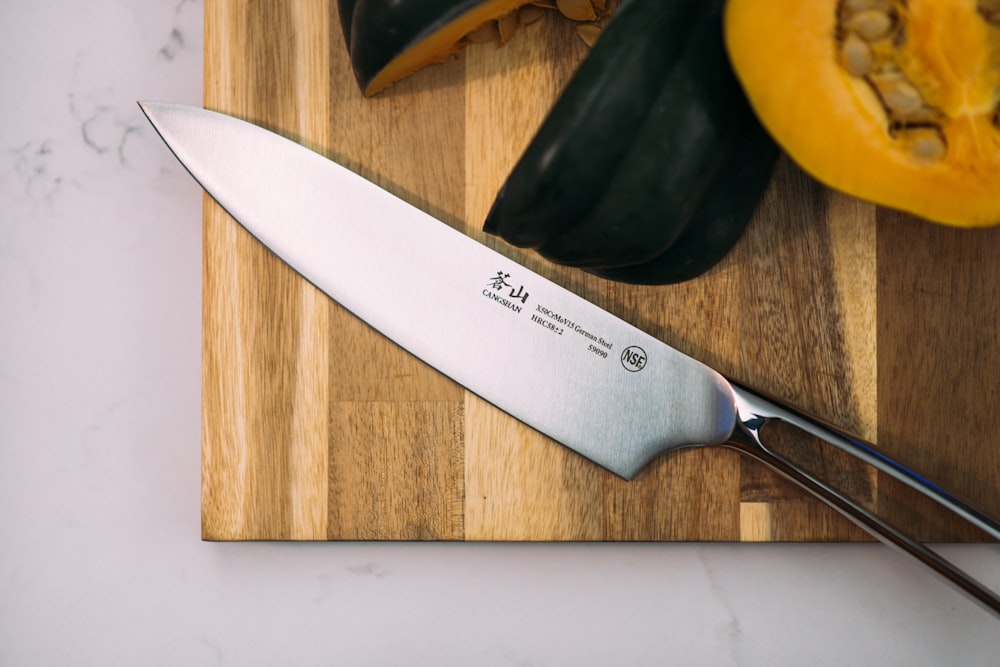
point(316, 428)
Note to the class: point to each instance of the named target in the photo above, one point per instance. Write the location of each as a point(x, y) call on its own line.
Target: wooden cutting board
point(316, 428)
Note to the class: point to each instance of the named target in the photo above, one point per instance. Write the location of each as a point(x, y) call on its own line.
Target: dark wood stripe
point(939, 362)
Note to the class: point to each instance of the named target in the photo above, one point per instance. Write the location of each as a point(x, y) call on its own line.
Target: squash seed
point(927, 144)
point(870, 24)
point(487, 33)
point(856, 56)
point(578, 10)
point(528, 14)
point(589, 32)
point(900, 96)
point(507, 26)
point(502, 30)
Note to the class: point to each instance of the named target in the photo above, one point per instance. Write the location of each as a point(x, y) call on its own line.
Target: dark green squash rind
point(726, 211)
point(376, 31)
point(583, 140)
point(674, 157)
point(345, 9)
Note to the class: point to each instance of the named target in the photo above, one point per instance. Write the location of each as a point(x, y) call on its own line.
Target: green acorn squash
point(721, 218)
point(651, 162)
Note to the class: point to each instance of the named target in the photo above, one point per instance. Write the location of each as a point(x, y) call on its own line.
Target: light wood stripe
point(755, 522)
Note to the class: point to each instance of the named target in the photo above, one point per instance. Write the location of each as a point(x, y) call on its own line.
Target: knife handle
point(755, 411)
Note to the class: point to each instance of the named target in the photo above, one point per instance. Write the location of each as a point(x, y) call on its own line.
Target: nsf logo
point(634, 359)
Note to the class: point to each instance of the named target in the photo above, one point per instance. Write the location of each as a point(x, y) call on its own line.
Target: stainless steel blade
point(539, 352)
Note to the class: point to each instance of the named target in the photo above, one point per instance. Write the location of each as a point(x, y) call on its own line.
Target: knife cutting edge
point(623, 397)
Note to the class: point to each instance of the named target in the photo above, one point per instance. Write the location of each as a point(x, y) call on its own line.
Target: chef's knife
point(551, 359)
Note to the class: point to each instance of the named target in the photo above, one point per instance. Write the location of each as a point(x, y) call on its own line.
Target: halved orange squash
point(892, 101)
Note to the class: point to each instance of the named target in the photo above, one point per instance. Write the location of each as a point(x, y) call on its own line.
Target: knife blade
point(551, 359)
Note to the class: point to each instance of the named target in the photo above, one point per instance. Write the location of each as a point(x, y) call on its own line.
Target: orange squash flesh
point(907, 119)
point(441, 43)
point(391, 39)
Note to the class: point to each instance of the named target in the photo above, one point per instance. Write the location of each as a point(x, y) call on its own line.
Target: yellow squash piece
point(892, 101)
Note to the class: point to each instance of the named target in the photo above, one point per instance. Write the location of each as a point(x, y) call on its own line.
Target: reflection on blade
point(549, 358)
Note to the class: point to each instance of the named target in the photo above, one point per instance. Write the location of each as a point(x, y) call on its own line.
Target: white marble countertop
point(100, 557)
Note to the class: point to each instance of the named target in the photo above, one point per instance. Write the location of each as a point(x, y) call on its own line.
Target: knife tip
point(144, 107)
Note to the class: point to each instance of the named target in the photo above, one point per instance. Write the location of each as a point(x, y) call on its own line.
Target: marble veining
point(729, 632)
point(29, 166)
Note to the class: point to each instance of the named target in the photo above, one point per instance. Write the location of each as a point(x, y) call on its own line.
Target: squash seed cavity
point(869, 35)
